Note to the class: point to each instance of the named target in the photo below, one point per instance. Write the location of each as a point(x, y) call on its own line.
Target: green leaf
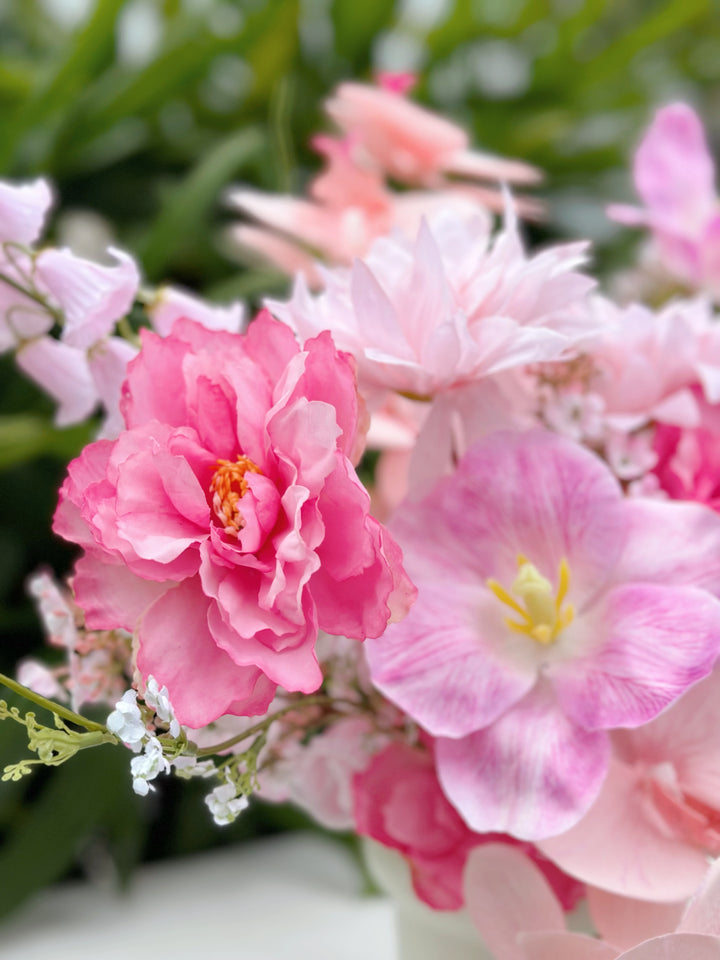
point(87, 53)
point(26, 436)
point(91, 792)
point(358, 24)
point(185, 210)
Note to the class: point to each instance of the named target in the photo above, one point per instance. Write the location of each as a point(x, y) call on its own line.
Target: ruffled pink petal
point(92, 297)
point(110, 595)
point(531, 774)
point(64, 373)
point(203, 682)
point(108, 362)
point(658, 641)
point(506, 894)
point(626, 922)
point(618, 846)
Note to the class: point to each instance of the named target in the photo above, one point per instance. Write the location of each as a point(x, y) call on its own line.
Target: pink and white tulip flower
point(550, 610)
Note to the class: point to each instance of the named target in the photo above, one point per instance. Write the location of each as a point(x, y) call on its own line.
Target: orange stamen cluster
point(227, 487)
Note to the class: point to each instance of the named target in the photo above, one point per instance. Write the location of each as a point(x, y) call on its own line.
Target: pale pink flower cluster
point(383, 136)
point(43, 287)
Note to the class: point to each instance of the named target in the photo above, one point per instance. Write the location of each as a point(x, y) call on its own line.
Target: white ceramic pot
point(422, 933)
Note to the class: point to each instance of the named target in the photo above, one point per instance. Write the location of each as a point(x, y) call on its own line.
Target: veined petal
point(658, 640)
point(531, 774)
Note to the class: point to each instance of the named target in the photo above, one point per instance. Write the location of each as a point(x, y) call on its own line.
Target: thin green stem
point(57, 315)
point(320, 700)
point(50, 705)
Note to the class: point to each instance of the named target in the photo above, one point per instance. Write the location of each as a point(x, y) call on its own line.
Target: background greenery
point(144, 111)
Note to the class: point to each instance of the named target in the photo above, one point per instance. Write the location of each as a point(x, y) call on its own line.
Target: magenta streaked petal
point(531, 774)
point(657, 641)
point(442, 662)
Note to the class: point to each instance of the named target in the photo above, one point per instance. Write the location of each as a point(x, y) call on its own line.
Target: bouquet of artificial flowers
point(533, 564)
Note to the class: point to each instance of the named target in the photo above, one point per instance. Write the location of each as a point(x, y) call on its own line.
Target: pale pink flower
point(40, 678)
point(675, 177)
point(171, 303)
point(450, 306)
point(399, 803)
point(411, 144)
point(91, 296)
point(550, 610)
point(657, 817)
point(23, 211)
point(226, 523)
point(697, 936)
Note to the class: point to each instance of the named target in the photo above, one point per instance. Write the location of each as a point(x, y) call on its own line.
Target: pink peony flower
point(550, 610)
point(657, 817)
point(675, 177)
point(226, 523)
point(399, 803)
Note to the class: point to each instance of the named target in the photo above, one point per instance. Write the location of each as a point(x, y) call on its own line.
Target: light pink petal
point(93, 297)
point(565, 946)
point(23, 209)
point(506, 894)
point(203, 682)
point(703, 911)
point(671, 542)
point(674, 171)
point(111, 596)
point(108, 363)
point(531, 774)
point(467, 163)
point(625, 921)
point(676, 946)
point(618, 846)
point(64, 373)
point(171, 303)
point(658, 640)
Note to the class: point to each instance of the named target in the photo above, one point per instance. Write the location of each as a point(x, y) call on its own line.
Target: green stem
point(318, 700)
point(50, 705)
point(57, 315)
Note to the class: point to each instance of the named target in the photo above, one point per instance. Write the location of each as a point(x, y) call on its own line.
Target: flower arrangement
point(496, 656)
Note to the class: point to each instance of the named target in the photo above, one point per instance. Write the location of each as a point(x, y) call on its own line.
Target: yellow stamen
point(228, 486)
point(542, 611)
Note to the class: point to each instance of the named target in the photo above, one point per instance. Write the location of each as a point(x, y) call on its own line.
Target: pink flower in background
point(550, 610)
point(542, 937)
point(171, 303)
point(411, 144)
point(657, 817)
point(226, 523)
point(519, 917)
point(675, 177)
point(688, 466)
point(399, 803)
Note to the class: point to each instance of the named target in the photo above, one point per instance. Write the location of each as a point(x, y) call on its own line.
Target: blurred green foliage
point(144, 111)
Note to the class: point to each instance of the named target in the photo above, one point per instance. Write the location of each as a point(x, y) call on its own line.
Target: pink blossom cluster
point(383, 138)
point(531, 721)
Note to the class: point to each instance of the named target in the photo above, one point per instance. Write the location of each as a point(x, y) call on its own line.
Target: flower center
point(227, 487)
point(540, 608)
